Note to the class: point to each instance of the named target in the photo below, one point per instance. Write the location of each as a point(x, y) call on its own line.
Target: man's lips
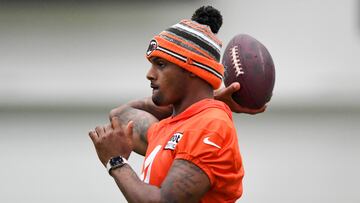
point(154, 86)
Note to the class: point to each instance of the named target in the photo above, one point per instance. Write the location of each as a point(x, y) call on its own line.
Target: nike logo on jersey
point(207, 141)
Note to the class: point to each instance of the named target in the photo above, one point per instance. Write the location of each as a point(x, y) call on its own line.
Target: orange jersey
point(203, 134)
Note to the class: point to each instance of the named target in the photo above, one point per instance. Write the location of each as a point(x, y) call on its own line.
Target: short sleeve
point(212, 146)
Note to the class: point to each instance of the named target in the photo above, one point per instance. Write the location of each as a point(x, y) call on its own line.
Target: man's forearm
point(142, 121)
point(133, 188)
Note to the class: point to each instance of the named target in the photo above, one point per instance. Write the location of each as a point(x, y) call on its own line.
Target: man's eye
point(161, 64)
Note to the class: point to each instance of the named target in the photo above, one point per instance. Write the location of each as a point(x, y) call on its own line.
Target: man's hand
point(224, 94)
point(112, 140)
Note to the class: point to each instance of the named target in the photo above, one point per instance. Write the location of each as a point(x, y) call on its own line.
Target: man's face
point(167, 81)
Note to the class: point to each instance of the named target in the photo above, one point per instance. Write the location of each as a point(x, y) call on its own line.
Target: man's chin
point(158, 101)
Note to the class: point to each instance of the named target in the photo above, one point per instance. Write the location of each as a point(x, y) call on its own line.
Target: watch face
point(116, 161)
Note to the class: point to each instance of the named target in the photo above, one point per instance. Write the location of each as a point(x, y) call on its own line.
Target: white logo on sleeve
point(207, 141)
point(174, 141)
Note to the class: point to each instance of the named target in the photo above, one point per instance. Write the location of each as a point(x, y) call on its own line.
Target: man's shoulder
point(217, 108)
point(211, 119)
point(215, 115)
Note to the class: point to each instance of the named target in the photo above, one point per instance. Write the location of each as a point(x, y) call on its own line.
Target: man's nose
point(151, 75)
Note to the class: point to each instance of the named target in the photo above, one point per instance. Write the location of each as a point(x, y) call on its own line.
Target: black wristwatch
point(115, 162)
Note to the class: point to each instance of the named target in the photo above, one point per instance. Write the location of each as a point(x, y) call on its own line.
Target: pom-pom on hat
point(192, 45)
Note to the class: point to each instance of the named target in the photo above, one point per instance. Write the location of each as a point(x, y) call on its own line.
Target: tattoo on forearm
point(186, 180)
point(125, 115)
point(141, 121)
point(141, 127)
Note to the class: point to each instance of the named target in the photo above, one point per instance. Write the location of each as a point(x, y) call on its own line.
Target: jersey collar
point(198, 107)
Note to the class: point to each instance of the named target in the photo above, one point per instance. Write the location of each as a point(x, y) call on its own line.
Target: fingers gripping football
point(225, 95)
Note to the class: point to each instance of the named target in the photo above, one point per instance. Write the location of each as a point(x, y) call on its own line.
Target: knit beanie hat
point(192, 45)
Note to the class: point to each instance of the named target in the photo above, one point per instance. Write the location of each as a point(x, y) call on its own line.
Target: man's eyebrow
point(154, 59)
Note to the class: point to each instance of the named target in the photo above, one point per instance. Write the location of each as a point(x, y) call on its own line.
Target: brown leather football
point(248, 62)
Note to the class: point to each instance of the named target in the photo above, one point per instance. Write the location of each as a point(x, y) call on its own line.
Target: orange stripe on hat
point(205, 68)
point(187, 43)
point(201, 28)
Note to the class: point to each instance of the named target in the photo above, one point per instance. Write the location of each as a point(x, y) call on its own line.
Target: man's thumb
point(235, 86)
point(129, 128)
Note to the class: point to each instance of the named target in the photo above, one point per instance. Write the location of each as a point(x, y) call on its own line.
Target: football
point(248, 62)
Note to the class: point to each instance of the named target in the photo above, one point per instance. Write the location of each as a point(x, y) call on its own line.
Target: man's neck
point(195, 95)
